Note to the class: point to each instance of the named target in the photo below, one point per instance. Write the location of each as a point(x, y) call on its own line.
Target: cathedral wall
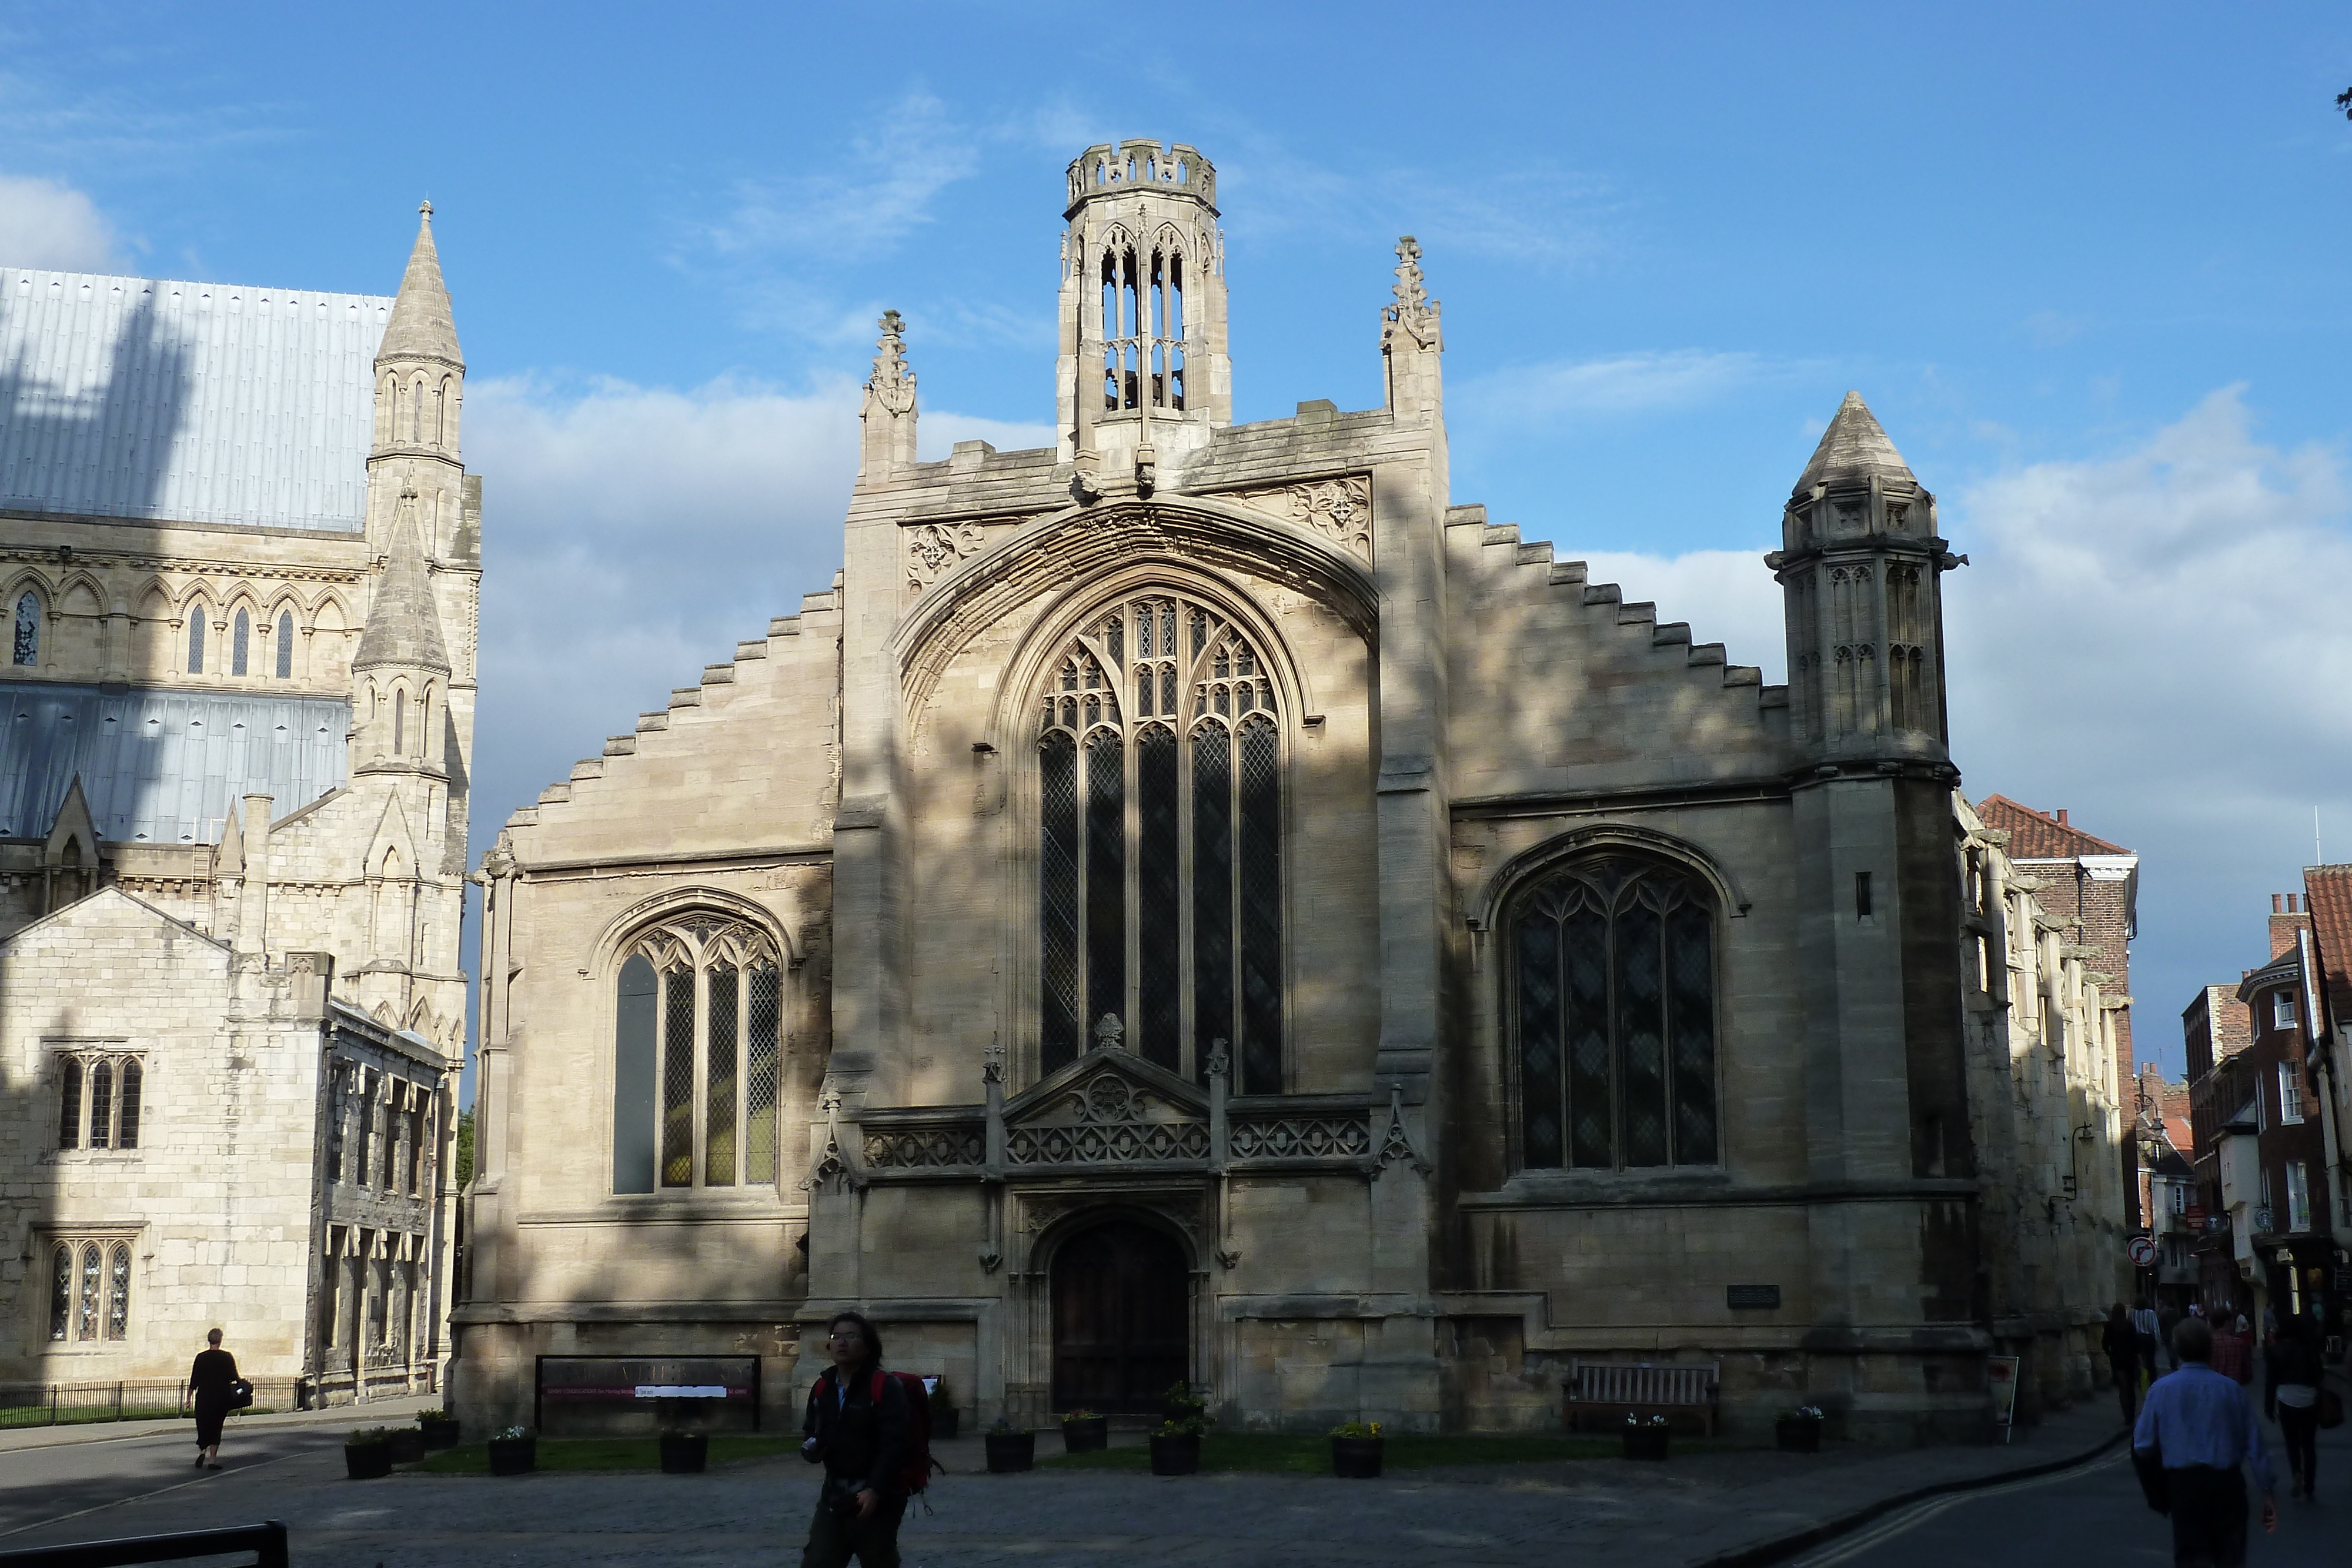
point(215, 1203)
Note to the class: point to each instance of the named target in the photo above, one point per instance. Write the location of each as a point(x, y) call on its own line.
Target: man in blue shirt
point(2198, 1426)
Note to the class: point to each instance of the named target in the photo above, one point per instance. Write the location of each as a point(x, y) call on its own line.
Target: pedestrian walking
point(856, 1427)
point(2293, 1373)
point(2120, 1341)
point(2194, 1431)
point(213, 1381)
point(2233, 1352)
point(2167, 1318)
point(2144, 1323)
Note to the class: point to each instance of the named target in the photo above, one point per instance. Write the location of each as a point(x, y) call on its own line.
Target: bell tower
point(1143, 375)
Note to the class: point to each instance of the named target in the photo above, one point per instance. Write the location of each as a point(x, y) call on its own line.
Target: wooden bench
point(1622, 1388)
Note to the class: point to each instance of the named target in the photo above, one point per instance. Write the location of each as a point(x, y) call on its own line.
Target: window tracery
point(1142, 321)
point(100, 1095)
point(29, 630)
point(285, 644)
point(89, 1289)
point(1160, 877)
point(696, 1072)
point(1613, 1015)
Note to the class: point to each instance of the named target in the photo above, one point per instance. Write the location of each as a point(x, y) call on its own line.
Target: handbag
point(240, 1395)
point(2331, 1408)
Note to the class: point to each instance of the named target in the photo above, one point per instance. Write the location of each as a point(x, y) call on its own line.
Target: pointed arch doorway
point(1122, 1319)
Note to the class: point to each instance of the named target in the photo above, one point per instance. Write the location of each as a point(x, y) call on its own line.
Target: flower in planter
point(1002, 1426)
point(938, 1396)
point(1357, 1429)
point(424, 1415)
point(513, 1434)
point(1080, 1414)
point(1188, 1411)
point(367, 1437)
point(1644, 1423)
point(1806, 1413)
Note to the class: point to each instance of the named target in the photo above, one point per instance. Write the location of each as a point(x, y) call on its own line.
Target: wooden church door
point(1122, 1324)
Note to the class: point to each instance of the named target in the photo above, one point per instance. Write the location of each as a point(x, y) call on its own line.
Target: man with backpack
point(871, 1430)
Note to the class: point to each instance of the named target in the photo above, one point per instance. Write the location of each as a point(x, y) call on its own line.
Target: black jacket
point(860, 1444)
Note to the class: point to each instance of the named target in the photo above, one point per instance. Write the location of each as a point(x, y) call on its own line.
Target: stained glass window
point(29, 630)
point(285, 644)
point(1614, 1013)
point(1160, 842)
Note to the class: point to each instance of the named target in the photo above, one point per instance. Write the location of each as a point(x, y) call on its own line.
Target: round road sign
point(2141, 1251)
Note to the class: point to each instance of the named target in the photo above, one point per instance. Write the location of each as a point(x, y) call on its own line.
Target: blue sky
point(2087, 263)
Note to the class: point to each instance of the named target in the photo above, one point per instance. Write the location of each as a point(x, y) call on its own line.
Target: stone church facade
point(240, 559)
point(1193, 902)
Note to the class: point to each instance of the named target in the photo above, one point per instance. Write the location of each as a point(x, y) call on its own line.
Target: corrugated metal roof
point(201, 402)
point(162, 767)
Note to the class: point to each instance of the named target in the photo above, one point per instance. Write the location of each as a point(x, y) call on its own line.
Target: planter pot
point(368, 1462)
point(513, 1456)
point(1795, 1437)
point(440, 1433)
point(1175, 1456)
point(1646, 1442)
point(683, 1453)
point(1356, 1458)
point(1091, 1436)
point(944, 1422)
point(1010, 1451)
point(406, 1443)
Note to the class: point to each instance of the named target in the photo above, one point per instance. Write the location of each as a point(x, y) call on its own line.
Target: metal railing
point(266, 1541)
point(67, 1404)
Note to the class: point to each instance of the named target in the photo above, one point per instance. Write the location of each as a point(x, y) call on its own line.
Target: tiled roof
point(2327, 890)
point(196, 403)
point(2040, 836)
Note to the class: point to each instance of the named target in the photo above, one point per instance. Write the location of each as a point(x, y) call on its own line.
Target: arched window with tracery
point(29, 630)
point(240, 643)
point(1613, 1011)
point(285, 644)
point(196, 638)
point(1160, 842)
point(696, 1065)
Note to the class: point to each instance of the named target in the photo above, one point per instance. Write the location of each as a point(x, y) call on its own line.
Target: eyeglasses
point(852, 1337)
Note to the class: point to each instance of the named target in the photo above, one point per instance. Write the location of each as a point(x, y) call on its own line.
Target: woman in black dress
point(211, 1379)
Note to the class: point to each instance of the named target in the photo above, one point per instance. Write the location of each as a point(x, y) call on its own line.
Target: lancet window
point(240, 643)
point(196, 638)
point(285, 644)
point(1143, 322)
point(1614, 1013)
point(696, 1065)
point(29, 630)
point(1159, 843)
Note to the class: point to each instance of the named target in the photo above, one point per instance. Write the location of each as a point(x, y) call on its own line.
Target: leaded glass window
point(92, 1287)
point(70, 1104)
point(101, 1104)
point(285, 644)
point(61, 1292)
point(696, 1065)
point(134, 1080)
point(29, 630)
point(196, 638)
point(118, 1291)
point(240, 643)
point(1160, 842)
point(1613, 1010)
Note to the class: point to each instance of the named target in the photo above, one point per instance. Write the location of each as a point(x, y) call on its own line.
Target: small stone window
point(29, 630)
point(196, 638)
point(240, 643)
point(695, 1070)
point(285, 644)
point(89, 1289)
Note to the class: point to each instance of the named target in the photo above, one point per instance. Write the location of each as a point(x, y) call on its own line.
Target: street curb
point(1789, 1545)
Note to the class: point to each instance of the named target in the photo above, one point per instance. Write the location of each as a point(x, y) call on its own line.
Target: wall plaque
point(1752, 1296)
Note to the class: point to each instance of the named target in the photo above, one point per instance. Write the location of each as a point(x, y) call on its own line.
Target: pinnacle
point(421, 325)
point(404, 624)
point(1854, 450)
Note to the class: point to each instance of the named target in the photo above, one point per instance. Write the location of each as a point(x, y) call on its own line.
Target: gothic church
point(1192, 902)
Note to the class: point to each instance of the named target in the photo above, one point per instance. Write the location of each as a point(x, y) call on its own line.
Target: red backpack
point(914, 1475)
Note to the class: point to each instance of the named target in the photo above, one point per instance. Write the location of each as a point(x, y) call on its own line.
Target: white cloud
point(864, 204)
point(632, 535)
point(1623, 383)
point(45, 224)
point(1727, 595)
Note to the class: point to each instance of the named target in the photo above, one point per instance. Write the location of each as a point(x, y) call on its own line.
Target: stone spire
point(1412, 338)
point(422, 326)
point(887, 441)
point(404, 625)
point(1854, 450)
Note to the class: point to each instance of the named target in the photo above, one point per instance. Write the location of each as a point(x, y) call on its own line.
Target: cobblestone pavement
point(1687, 1510)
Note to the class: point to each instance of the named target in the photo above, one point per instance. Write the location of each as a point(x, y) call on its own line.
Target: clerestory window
point(1159, 843)
point(29, 630)
point(285, 644)
point(240, 643)
point(695, 1072)
point(1613, 1015)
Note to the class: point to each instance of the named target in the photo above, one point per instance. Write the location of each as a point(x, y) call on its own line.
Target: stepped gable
point(1854, 450)
point(2041, 835)
point(1640, 614)
point(683, 702)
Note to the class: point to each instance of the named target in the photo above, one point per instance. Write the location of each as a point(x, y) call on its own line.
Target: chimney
point(2062, 817)
point(2288, 915)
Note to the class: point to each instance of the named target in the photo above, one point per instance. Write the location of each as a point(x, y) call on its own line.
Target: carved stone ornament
point(1106, 1119)
point(1341, 509)
point(933, 549)
point(1415, 313)
point(892, 383)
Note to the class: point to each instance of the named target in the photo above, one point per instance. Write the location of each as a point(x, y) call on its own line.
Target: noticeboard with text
point(628, 1395)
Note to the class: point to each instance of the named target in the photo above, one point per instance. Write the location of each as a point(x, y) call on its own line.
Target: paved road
point(2094, 1515)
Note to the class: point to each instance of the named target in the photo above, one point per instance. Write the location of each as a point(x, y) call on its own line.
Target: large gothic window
point(1613, 1011)
point(695, 1069)
point(1159, 843)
